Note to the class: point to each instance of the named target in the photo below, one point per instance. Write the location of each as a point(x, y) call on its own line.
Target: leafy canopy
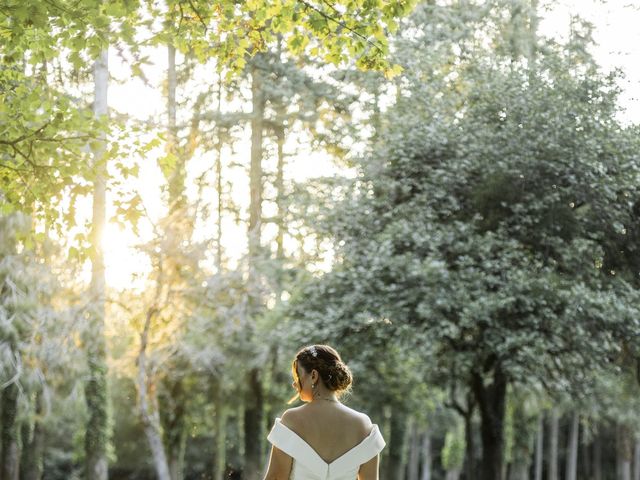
point(484, 222)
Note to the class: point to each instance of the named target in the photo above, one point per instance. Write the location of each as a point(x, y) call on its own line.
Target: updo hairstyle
point(334, 373)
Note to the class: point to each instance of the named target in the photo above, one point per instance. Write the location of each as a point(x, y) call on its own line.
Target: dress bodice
point(308, 465)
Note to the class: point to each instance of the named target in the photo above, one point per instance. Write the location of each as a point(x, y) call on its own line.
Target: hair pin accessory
point(313, 351)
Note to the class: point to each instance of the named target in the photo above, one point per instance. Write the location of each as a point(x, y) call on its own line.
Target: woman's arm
point(369, 469)
point(279, 465)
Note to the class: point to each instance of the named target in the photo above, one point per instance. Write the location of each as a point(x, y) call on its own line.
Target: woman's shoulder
point(363, 421)
point(294, 418)
point(291, 416)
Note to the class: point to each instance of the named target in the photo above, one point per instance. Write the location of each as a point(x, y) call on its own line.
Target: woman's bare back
point(323, 438)
point(331, 429)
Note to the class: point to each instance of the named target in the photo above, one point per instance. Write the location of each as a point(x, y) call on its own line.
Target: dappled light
point(202, 203)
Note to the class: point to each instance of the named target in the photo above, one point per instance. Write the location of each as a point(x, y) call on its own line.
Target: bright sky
point(617, 35)
point(618, 46)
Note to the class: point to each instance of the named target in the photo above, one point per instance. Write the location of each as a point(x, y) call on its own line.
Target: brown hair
point(334, 373)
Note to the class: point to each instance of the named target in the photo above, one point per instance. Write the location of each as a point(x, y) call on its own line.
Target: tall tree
point(624, 450)
point(413, 460)
point(163, 399)
point(253, 401)
point(427, 457)
point(481, 259)
point(523, 422)
point(571, 470)
point(174, 407)
point(39, 29)
point(539, 448)
point(147, 396)
point(554, 434)
point(32, 467)
point(636, 460)
point(97, 433)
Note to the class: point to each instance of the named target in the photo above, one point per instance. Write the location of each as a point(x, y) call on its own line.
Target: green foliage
point(523, 410)
point(38, 351)
point(482, 220)
point(338, 32)
point(45, 130)
point(44, 134)
point(494, 221)
point(453, 449)
point(42, 28)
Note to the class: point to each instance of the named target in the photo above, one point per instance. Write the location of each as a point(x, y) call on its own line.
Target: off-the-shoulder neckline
point(374, 428)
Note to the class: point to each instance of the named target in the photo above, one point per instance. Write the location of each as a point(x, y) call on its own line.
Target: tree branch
point(197, 13)
point(341, 23)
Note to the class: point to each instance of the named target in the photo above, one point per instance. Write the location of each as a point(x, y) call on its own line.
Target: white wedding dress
point(308, 465)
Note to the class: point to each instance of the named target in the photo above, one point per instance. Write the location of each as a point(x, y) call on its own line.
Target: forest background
point(445, 191)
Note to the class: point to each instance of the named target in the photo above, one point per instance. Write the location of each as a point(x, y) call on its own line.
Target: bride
point(323, 439)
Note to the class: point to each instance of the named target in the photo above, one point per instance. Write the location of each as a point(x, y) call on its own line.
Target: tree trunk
point(539, 448)
point(453, 474)
point(97, 434)
point(393, 467)
point(10, 467)
point(254, 405)
point(221, 434)
point(174, 170)
point(533, 33)
point(571, 470)
point(492, 402)
point(427, 457)
point(148, 405)
point(597, 458)
point(172, 416)
point(519, 471)
point(176, 458)
point(157, 450)
point(280, 196)
point(584, 465)
point(33, 441)
point(375, 117)
point(414, 452)
point(636, 460)
point(172, 85)
point(279, 184)
point(625, 453)
point(255, 170)
point(554, 433)
point(219, 182)
point(235, 454)
point(469, 454)
point(523, 447)
point(280, 132)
